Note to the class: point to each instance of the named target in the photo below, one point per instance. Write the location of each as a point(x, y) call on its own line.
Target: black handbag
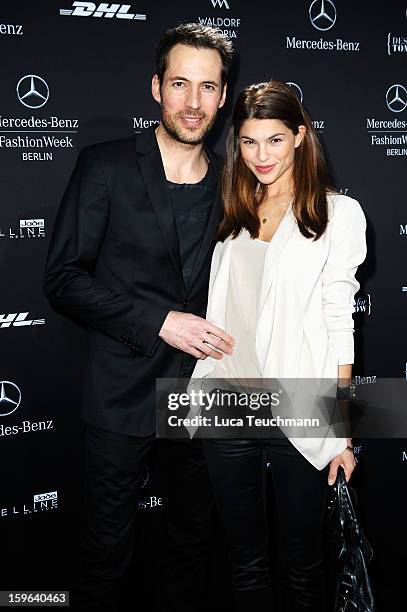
point(348, 545)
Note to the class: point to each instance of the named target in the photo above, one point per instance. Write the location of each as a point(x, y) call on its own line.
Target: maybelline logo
point(227, 25)
point(11, 29)
point(28, 228)
point(319, 124)
point(322, 16)
point(45, 134)
point(404, 455)
point(42, 502)
point(140, 123)
point(362, 304)
point(105, 10)
point(396, 44)
point(391, 133)
point(18, 319)
point(403, 230)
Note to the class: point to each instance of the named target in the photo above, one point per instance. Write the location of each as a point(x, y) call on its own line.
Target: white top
point(242, 308)
point(305, 326)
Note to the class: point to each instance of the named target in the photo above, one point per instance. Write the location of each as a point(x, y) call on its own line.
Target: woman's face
point(267, 147)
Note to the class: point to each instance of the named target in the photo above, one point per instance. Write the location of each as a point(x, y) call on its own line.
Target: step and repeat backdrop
point(74, 73)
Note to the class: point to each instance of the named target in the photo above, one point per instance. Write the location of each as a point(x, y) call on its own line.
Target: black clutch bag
point(349, 550)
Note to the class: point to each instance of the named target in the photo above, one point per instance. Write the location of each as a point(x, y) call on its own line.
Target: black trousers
point(237, 472)
point(115, 469)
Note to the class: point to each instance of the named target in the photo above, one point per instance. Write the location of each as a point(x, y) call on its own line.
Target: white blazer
point(305, 324)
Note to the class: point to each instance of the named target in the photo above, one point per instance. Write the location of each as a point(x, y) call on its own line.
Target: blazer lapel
point(152, 171)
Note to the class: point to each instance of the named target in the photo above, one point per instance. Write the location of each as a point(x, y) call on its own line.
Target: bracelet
point(350, 448)
point(343, 393)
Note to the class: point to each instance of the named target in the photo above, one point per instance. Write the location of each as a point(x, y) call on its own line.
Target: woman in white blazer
point(282, 285)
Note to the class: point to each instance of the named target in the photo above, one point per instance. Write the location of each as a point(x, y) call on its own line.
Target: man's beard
point(181, 135)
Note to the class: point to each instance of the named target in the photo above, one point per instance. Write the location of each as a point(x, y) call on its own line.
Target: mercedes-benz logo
point(297, 89)
point(10, 397)
point(396, 98)
point(322, 14)
point(32, 91)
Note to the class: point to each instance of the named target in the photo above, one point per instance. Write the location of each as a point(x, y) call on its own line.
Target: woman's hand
point(345, 460)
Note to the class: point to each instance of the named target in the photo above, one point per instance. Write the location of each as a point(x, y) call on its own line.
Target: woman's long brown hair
point(241, 191)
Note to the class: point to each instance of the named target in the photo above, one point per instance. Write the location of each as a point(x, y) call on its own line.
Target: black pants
point(115, 471)
point(237, 472)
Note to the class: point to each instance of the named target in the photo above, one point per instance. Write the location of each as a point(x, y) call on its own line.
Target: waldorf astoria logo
point(322, 16)
point(227, 24)
point(390, 134)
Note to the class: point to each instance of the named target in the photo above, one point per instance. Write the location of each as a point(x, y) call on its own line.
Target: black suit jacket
point(114, 266)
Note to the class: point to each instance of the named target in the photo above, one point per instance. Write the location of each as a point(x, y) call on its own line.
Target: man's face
point(190, 93)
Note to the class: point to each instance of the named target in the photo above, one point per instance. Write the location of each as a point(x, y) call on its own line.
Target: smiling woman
point(270, 131)
point(282, 285)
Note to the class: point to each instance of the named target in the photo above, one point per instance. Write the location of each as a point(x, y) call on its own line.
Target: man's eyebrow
point(181, 78)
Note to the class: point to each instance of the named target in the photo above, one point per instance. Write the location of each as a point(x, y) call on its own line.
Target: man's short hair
point(197, 36)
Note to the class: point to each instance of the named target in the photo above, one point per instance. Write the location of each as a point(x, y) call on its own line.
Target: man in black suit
point(130, 258)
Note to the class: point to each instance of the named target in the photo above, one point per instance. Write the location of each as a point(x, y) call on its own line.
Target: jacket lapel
point(152, 171)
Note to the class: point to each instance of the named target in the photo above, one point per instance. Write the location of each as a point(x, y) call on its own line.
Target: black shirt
point(192, 203)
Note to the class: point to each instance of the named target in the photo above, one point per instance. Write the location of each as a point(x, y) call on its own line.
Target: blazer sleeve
point(69, 282)
point(347, 251)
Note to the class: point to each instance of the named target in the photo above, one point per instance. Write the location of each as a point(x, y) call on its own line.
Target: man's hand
point(196, 336)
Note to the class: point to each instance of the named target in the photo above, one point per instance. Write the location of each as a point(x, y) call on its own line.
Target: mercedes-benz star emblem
point(10, 397)
point(322, 14)
point(396, 98)
point(297, 90)
point(32, 91)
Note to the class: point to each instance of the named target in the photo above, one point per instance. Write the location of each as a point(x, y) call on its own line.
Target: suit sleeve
point(69, 282)
point(339, 285)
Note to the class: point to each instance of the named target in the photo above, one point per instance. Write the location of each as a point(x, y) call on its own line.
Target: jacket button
point(185, 302)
